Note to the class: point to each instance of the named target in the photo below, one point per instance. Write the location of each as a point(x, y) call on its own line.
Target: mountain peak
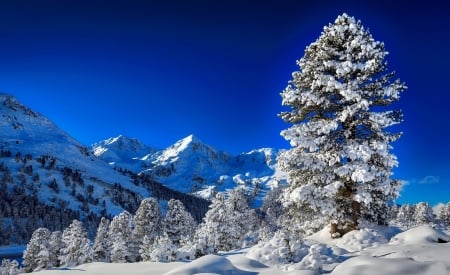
point(124, 141)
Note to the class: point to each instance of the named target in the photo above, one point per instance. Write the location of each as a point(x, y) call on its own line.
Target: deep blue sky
point(161, 70)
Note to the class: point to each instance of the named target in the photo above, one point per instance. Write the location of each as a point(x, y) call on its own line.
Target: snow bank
point(278, 250)
point(358, 240)
point(374, 266)
point(420, 235)
point(210, 264)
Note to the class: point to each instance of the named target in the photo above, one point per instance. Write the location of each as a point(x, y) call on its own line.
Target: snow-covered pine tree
point(147, 221)
point(120, 235)
point(340, 165)
point(77, 249)
point(9, 267)
point(146, 249)
point(444, 214)
point(55, 246)
point(272, 209)
point(423, 214)
point(163, 249)
point(211, 233)
point(36, 255)
point(178, 223)
point(101, 247)
point(226, 224)
point(242, 220)
point(405, 216)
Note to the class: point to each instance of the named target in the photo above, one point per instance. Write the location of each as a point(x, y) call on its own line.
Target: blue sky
point(161, 70)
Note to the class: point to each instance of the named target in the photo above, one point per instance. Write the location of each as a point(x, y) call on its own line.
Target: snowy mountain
point(35, 141)
point(122, 150)
point(193, 167)
point(47, 178)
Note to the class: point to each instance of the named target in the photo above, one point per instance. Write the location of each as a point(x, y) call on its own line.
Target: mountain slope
point(47, 178)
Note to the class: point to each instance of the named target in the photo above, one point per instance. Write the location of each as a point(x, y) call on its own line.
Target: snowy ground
point(421, 250)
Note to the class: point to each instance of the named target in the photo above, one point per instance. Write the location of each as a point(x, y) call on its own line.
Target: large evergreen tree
point(340, 165)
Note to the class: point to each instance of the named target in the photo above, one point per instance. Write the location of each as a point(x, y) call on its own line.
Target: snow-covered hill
point(193, 167)
point(44, 173)
point(366, 251)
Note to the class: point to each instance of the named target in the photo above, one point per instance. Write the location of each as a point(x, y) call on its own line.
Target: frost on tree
point(77, 249)
point(120, 236)
point(423, 214)
point(55, 246)
point(340, 166)
point(444, 214)
point(147, 220)
point(178, 223)
point(37, 254)
point(100, 249)
point(226, 224)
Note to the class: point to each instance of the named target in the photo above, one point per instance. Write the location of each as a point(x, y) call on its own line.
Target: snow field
point(374, 251)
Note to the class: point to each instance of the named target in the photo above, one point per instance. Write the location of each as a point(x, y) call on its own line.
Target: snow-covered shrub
point(162, 250)
point(281, 249)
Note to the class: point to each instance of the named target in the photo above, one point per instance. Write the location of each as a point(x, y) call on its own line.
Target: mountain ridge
point(193, 167)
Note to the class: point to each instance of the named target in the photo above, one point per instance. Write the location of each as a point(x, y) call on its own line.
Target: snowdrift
point(211, 264)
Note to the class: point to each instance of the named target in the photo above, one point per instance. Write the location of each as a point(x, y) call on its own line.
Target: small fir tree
point(340, 166)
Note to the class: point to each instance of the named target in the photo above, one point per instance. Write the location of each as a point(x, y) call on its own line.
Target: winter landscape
point(327, 204)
